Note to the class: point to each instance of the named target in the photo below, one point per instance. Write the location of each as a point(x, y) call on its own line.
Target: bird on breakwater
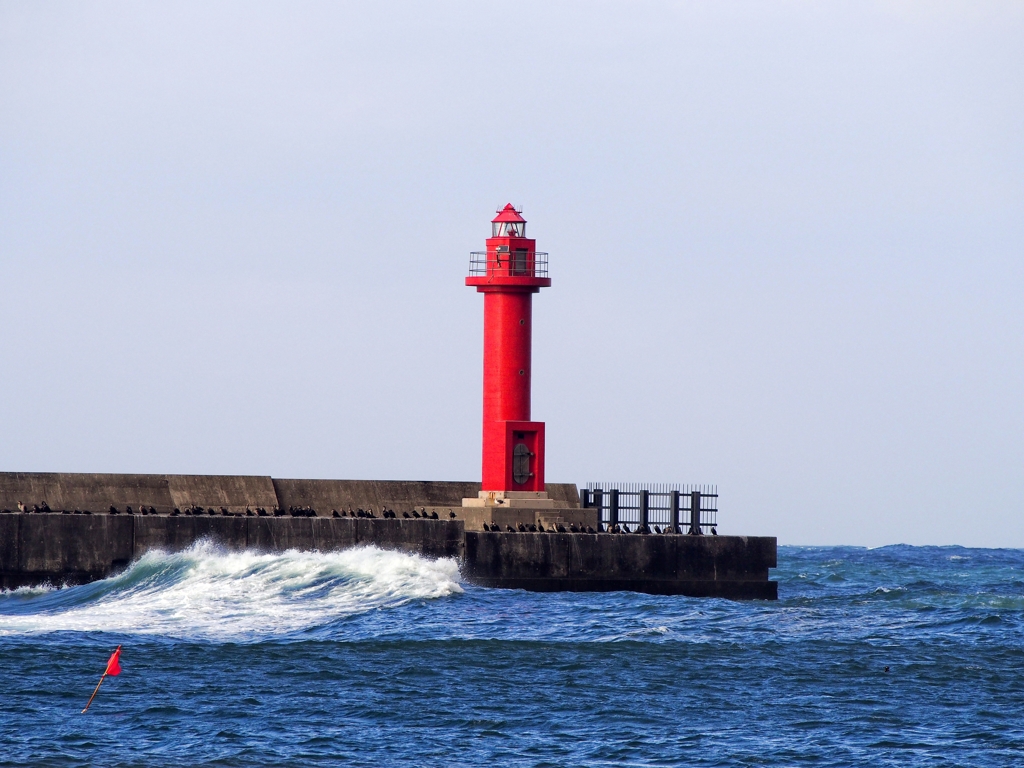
point(510, 529)
point(521, 527)
point(406, 515)
point(451, 514)
point(416, 514)
point(113, 510)
point(175, 512)
point(433, 515)
point(21, 507)
point(590, 529)
point(714, 531)
point(335, 513)
point(540, 528)
point(573, 528)
point(533, 528)
point(44, 507)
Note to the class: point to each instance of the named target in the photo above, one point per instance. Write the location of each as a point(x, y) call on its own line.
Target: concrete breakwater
point(61, 547)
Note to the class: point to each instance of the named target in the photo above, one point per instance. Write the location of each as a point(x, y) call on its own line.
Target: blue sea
point(898, 656)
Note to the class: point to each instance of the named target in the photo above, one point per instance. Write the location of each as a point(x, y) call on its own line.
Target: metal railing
point(508, 264)
point(677, 508)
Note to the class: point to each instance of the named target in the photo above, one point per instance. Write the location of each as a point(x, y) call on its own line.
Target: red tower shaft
point(508, 273)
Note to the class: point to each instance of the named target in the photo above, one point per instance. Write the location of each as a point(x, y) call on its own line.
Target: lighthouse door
point(521, 473)
point(520, 266)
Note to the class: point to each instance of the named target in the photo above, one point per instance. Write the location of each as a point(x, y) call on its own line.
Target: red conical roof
point(508, 213)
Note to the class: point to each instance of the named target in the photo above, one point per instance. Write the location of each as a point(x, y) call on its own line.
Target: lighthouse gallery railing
point(523, 264)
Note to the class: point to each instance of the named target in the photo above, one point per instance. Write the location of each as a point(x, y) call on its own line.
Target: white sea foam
point(208, 593)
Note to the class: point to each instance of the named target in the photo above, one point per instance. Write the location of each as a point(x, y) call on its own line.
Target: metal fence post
point(585, 498)
point(599, 503)
point(645, 506)
point(695, 513)
point(613, 507)
point(674, 511)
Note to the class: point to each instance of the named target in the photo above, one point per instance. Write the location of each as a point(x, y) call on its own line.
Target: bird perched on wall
point(21, 507)
point(573, 528)
point(416, 514)
point(43, 506)
point(590, 529)
point(451, 514)
point(406, 515)
point(521, 527)
point(433, 515)
point(532, 528)
point(714, 531)
point(113, 510)
point(510, 529)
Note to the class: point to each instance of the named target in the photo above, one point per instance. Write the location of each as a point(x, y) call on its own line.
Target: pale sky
point(787, 247)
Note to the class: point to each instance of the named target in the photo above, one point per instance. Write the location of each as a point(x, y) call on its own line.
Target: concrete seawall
point(73, 548)
point(699, 566)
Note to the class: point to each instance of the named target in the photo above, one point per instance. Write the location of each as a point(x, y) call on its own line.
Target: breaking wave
point(205, 592)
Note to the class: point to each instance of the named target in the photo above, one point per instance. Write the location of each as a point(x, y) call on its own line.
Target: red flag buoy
point(113, 668)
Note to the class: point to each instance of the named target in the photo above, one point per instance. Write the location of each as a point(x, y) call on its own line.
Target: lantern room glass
point(508, 229)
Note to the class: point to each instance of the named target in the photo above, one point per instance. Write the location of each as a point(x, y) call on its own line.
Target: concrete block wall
point(701, 566)
point(97, 492)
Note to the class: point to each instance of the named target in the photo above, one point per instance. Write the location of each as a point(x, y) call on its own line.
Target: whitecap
point(206, 592)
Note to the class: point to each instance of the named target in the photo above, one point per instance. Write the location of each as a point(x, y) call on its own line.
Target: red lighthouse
point(508, 273)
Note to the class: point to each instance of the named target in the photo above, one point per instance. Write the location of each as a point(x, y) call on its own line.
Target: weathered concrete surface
point(71, 549)
point(234, 492)
point(475, 517)
point(327, 495)
point(400, 495)
point(95, 492)
point(700, 566)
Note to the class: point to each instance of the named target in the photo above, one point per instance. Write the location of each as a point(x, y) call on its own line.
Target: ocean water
point(375, 658)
